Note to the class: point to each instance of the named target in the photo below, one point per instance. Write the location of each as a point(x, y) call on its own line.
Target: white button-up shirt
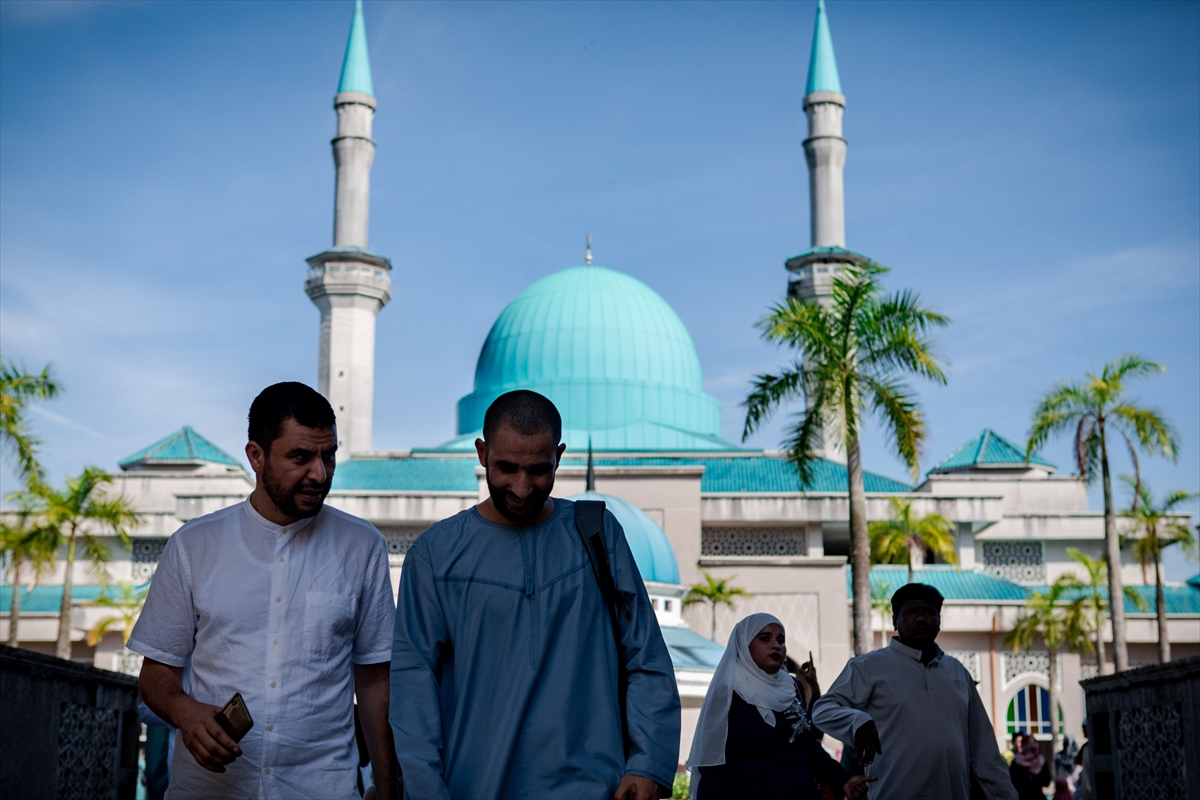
point(280, 614)
point(932, 726)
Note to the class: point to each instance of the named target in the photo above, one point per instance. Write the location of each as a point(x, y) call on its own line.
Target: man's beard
point(284, 497)
point(500, 501)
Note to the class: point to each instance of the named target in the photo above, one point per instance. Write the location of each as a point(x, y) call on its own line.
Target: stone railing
point(1144, 731)
point(71, 732)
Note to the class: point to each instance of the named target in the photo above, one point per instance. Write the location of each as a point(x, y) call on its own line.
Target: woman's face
point(768, 650)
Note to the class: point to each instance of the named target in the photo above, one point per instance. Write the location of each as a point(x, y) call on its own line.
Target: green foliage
point(881, 601)
point(1154, 526)
point(893, 541)
point(715, 592)
point(681, 786)
point(850, 354)
point(18, 387)
point(128, 606)
point(1098, 403)
point(1053, 617)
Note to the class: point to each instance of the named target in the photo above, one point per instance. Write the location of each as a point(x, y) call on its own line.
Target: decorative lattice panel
point(1018, 664)
point(799, 613)
point(754, 542)
point(145, 553)
point(970, 660)
point(400, 538)
point(1023, 562)
point(87, 752)
point(1089, 669)
point(1150, 753)
point(128, 663)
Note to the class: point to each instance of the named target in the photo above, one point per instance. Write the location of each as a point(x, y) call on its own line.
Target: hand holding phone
point(234, 718)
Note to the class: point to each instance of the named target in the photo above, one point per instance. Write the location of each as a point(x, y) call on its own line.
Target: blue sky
point(1032, 169)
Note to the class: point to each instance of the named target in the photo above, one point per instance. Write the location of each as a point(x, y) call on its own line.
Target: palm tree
point(1159, 530)
point(17, 388)
point(1058, 622)
point(1095, 598)
point(904, 538)
point(25, 543)
point(852, 349)
point(128, 605)
point(1091, 407)
point(715, 592)
point(78, 511)
point(881, 601)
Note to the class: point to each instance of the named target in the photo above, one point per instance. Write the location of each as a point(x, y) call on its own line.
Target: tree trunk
point(916, 558)
point(63, 647)
point(1160, 604)
point(860, 550)
point(14, 617)
point(1112, 552)
point(1100, 642)
point(712, 632)
point(1053, 712)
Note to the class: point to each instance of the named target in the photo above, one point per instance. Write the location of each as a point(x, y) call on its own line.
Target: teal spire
point(356, 67)
point(822, 67)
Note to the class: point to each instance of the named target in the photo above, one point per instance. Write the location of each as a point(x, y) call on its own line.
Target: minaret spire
point(349, 283)
point(587, 258)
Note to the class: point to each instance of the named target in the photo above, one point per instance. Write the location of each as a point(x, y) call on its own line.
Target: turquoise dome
point(613, 357)
point(651, 549)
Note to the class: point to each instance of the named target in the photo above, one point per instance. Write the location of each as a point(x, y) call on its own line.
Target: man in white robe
point(913, 715)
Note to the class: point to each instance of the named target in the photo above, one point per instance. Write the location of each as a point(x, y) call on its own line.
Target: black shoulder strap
point(589, 522)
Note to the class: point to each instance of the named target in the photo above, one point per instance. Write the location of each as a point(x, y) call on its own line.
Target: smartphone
point(810, 658)
point(234, 718)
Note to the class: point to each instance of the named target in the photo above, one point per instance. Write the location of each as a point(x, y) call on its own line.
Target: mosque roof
point(953, 583)
point(184, 446)
point(651, 549)
point(822, 66)
point(690, 650)
point(989, 449)
point(356, 66)
point(613, 356)
point(730, 474)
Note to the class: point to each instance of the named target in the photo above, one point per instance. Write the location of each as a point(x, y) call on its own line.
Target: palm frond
point(896, 405)
point(1150, 429)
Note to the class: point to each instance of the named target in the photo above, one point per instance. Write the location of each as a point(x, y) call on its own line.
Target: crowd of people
point(522, 657)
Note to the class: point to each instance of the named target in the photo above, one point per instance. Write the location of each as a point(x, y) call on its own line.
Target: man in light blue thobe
point(504, 662)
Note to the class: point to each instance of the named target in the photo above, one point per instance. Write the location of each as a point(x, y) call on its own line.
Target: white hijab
point(737, 672)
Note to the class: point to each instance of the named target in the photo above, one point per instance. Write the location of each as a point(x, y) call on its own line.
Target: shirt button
point(267, 771)
point(270, 727)
point(281, 558)
point(272, 684)
point(278, 599)
point(274, 641)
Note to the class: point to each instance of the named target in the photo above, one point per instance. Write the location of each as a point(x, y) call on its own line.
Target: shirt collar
point(913, 652)
point(281, 530)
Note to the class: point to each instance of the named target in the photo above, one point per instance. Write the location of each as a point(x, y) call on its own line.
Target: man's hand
point(207, 741)
point(857, 787)
point(866, 743)
point(637, 787)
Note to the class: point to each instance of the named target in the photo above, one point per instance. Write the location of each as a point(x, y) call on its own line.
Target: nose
point(317, 472)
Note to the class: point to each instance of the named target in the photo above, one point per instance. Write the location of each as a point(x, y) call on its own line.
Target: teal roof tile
point(989, 449)
point(953, 583)
point(407, 475)
point(751, 474)
point(356, 66)
point(1181, 598)
point(47, 598)
point(183, 446)
point(822, 66)
point(690, 650)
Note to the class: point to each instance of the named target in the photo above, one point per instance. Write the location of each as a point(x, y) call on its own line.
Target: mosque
point(623, 370)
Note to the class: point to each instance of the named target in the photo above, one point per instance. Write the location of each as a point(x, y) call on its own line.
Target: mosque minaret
point(349, 283)
point(811, 272)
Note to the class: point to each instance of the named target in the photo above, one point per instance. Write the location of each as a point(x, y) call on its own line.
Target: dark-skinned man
point(912, 713)
point(505, 664)
point(285, 601)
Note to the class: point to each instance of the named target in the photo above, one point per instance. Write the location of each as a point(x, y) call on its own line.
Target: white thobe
point(280, 614)
point(932, 726)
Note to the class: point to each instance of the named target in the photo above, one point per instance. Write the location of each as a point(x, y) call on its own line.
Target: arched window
point(1028, 711)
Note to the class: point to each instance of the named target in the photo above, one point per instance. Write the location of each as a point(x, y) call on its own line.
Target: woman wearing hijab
point(755, 737)
point(1029, 771)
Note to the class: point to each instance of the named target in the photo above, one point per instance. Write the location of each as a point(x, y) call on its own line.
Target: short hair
point(283, 401)
point(916, 591)
point(528, 413)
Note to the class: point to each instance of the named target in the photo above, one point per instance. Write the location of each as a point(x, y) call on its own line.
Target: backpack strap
point(589, 522)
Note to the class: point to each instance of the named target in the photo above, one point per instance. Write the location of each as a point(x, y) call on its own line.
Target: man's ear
point(562, 448)
point(481, 452)
point(256, 455)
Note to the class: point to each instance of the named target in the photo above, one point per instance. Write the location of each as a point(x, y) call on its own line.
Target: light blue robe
point(504, 667)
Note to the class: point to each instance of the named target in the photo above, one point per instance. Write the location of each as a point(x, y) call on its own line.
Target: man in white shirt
point(912, 713)
point(289, 603)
